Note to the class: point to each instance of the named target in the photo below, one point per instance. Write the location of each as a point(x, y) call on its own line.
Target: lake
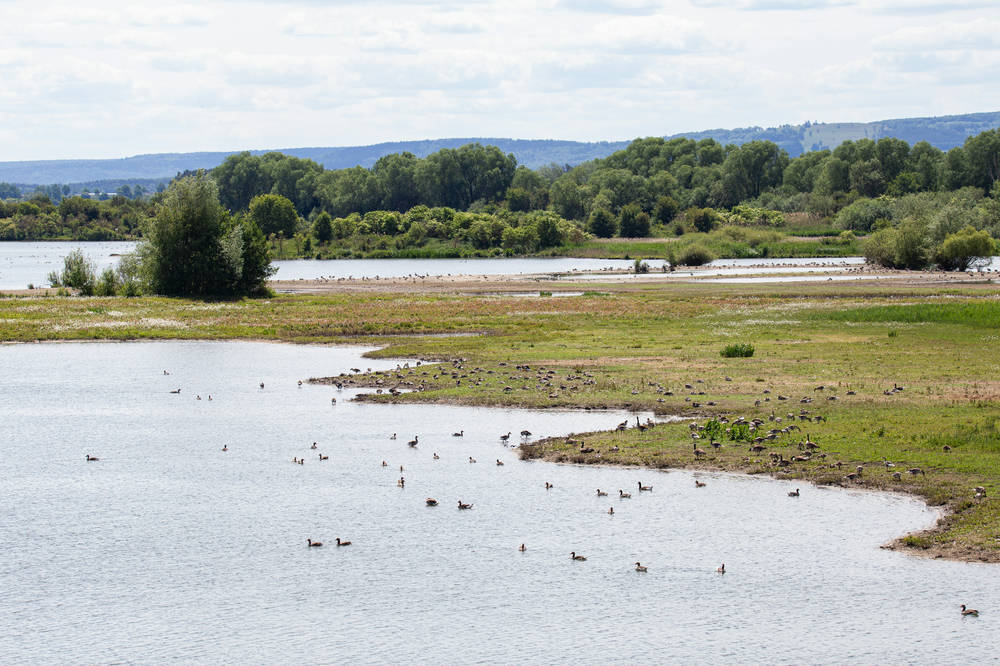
point(171, 549)
point(27, 263)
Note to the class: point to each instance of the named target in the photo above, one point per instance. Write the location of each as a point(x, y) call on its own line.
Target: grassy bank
point(658, 347)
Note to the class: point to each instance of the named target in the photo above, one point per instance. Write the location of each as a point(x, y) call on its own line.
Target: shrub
point(738, 350)
point(78, 272)
point(695, 255)
point(964, 248)
point(602, 223)
point(107, 284)
point(702, 219)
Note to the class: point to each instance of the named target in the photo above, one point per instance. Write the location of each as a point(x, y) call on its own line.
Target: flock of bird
point(754, 426)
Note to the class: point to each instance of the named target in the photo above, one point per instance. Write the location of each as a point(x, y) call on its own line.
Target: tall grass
point(980, 314)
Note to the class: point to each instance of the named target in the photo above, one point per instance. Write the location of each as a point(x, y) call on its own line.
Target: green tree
point(965, 248)
point(702, 219)
point(633, 222)
point(194, 248)
point(602, 223)
point(323, 227)
point(79, 272)
point(665, 210)
point(274, 213)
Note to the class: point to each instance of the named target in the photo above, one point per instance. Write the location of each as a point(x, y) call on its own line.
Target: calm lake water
point(169, 549)
point(22, 264)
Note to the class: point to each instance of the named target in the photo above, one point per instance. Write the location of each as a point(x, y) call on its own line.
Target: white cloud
point(980, 34)
point(106, 79)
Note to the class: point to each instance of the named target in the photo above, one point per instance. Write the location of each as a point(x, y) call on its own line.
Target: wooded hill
point(943, 132)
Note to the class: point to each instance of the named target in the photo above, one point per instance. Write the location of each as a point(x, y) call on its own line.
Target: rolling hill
point(944, 132)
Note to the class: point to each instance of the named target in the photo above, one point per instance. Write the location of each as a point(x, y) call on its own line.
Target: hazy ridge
point(944, 132)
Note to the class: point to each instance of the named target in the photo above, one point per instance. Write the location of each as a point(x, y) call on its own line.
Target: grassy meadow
point(910, 376)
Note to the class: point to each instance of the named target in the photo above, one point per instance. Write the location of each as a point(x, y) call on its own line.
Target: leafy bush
point(694, 255)
point(738, 350)
point(107, 285)
point(964, 248)
point(78, 272)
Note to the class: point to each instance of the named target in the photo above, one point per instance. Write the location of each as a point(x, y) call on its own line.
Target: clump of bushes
point(738, 350)
point(694, 255)
point(78, 272)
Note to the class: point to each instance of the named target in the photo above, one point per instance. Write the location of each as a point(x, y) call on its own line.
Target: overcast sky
point(113, 79)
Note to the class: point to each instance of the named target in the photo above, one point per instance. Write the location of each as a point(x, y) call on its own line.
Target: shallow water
point(170, 549)
point(22, 264)
point(27, 263)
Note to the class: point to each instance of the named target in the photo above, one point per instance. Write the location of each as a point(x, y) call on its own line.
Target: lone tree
point(194, 247)
point(274, 213)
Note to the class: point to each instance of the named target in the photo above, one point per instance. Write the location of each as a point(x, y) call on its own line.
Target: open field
point(657, 347)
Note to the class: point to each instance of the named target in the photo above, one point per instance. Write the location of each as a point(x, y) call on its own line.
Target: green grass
point(981, 313)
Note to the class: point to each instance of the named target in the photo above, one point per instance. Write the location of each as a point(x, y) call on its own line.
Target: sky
point(108, 79)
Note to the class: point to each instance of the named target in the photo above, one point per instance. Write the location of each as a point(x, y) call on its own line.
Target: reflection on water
point(169, 548)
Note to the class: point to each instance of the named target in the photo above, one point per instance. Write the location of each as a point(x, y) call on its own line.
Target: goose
point(393, 436)
point(548, 486)
point(91, 458)
point(460, 433)
point(522, 548)
point(463, 506)
point(437, 457)
point(322, 457)
point(722, 568)
point(499, 463)
point(504, 438)
point(413, 442)
point(314, 446)
point(261, 385)
point(225, 447)
point(578, 558)
point(601, 493)
point(302, 461)
point(643, 488)
point(401, 483)
point(699, 484)
point(165, 372)
point(314, 544)
point(640, 568)
point(300, 383)
point(471, 459)
point(611, 510)
point(794, 493)
point(197, 397)
point(343, 543)
point(525, 433)
point(969, 611)
point(622, 494)
point(431, 501)
point(176, 391)
point(385, 464)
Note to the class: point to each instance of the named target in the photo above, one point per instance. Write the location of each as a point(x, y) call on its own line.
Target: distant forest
point(476, 199)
